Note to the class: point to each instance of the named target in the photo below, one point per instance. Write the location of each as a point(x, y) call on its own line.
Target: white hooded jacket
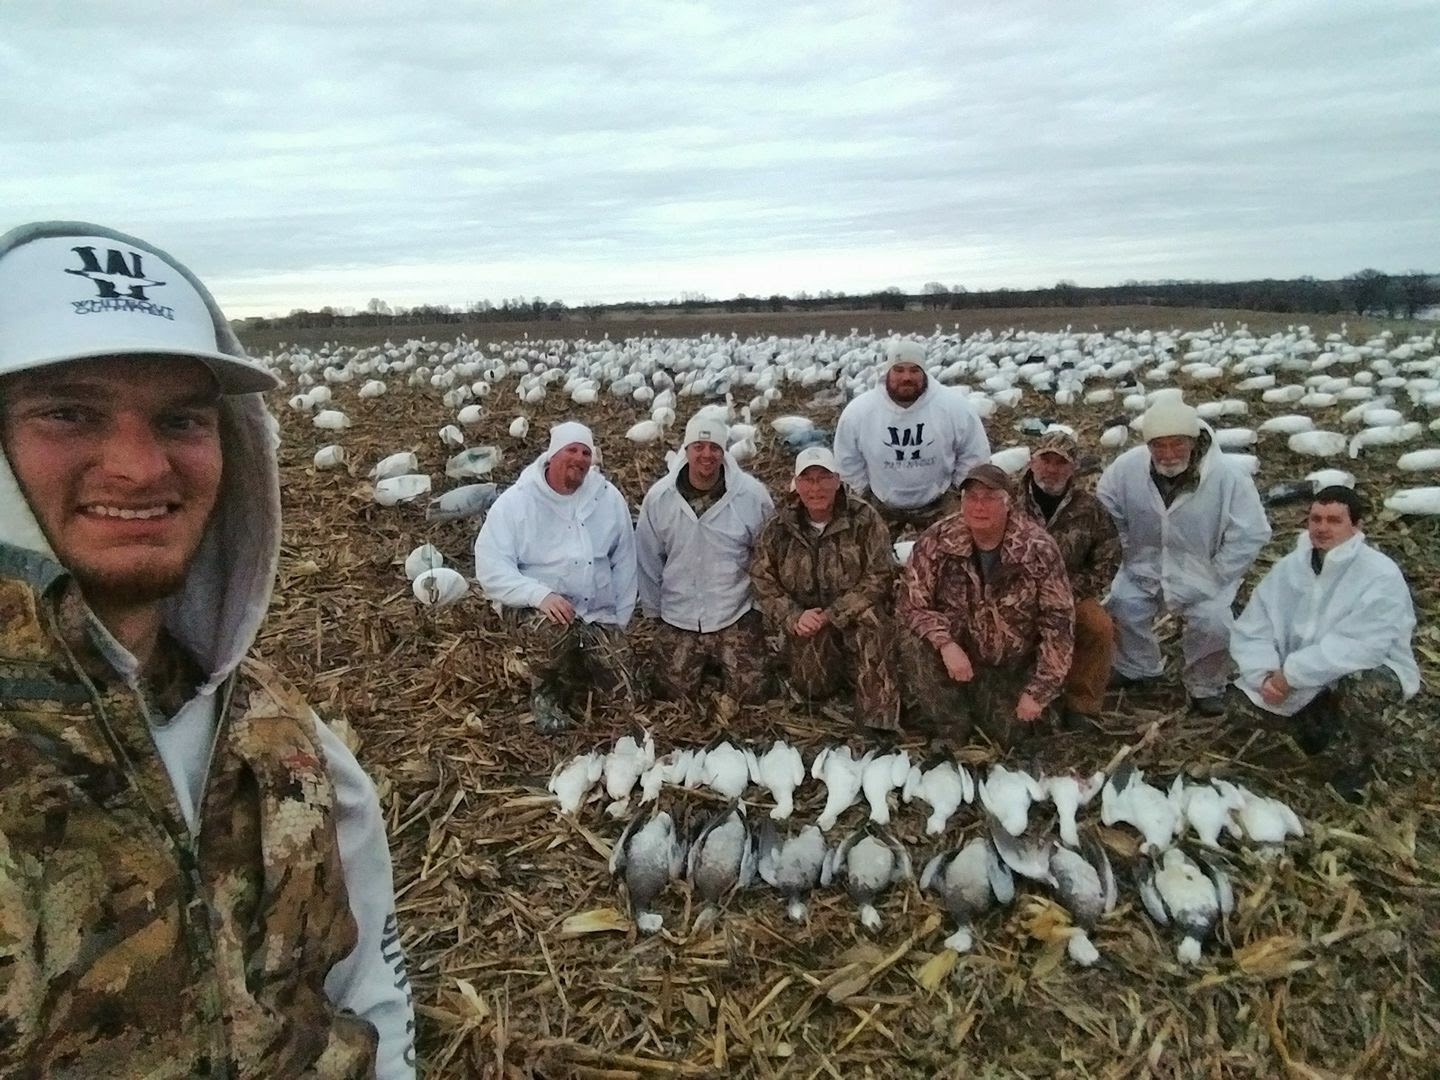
point(1355, 615)
point(909, 456)
point(536, 541)
point(216, 617)
point(695, 571)
point(1198, 548)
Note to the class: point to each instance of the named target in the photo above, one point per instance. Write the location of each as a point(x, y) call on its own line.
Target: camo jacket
point(1022, 619)
point(847, 568)
point(1086, 534)
point(130, 946)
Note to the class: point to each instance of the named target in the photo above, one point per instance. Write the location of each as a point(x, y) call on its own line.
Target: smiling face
point(567, 468)
point(705, 459)
point(1329, 525)
point(905, 383)
point(120, 461)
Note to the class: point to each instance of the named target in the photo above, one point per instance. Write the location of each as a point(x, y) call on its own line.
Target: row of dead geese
point(719, 854)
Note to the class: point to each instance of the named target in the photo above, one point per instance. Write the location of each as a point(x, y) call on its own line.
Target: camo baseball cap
point(991, 476)
point(1057, 442)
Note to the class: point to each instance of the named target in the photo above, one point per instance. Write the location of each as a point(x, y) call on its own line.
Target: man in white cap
point(194, 876)
point(698, 526)
point(1190, 523)
point(909, 442)
point(557, 552)
point(1323, 647)
point(823, 574)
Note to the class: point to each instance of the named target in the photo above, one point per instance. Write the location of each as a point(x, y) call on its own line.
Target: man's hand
point(811, 621)
point(957, 664)
point(1275, 688)
point(557, 609)
point(1027, 709)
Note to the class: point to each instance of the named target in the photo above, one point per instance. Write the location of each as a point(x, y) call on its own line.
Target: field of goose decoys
point(645, 895)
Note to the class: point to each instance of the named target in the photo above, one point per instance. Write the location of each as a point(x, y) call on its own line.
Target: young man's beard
point(147, 585)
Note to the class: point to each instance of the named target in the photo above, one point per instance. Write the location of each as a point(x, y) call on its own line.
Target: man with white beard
point(1190, 523)
point(908, 444)
point(1090, 546)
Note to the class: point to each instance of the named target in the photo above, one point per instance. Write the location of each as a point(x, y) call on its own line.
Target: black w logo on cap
point(116, 266)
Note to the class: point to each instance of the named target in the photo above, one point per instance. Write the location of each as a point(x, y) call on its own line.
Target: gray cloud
point(334, 152)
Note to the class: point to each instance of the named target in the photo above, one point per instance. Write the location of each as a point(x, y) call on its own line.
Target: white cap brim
point(78, 297)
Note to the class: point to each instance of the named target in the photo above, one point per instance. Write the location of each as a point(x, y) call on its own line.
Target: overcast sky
point(297, 155)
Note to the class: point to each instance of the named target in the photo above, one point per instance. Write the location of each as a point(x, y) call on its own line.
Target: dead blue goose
point(969, 880)
point(1084, 883)
point(721, 862)
point(792, 865)
point(868, 861)
point(648, 855)
point(1178, 893)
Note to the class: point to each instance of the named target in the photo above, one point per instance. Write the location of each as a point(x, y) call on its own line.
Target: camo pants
point(737, 652)
point(569, 662)
point(949, 710)
point(1345, 725)
point(916, 519)
point(862, 654)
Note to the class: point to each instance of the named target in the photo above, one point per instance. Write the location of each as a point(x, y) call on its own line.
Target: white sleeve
point(848, 458)
point(1107, 490)
point(1363, 641)
point(372, 981)
point(497, 563)
point(649, 559)
point(1246, 532)
point(767, 511)
point(622, 560)
point(1253, 637)
point(973, 444)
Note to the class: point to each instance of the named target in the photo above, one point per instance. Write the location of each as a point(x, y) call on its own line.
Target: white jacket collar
point(534, 475)
point(1335, 557)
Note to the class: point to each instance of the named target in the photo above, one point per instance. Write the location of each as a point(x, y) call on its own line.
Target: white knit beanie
point(904, 351)
point(702, 428)
point(1169, 416)
point(571, 431)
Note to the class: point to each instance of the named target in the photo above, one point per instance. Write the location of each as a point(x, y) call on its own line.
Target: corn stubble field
point(523, 959)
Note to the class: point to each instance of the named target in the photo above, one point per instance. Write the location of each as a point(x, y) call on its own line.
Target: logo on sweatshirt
point(907, 441)
point(118, 270)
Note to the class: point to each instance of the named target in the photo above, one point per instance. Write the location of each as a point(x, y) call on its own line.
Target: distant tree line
point(1367, 292)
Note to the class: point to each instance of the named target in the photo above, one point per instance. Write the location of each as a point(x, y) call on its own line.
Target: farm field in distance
point(521, 953)
point(794, 323)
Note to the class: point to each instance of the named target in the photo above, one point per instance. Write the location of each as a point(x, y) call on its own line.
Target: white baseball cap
point(74, 291)
point(815, 455)
point(702, 428)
